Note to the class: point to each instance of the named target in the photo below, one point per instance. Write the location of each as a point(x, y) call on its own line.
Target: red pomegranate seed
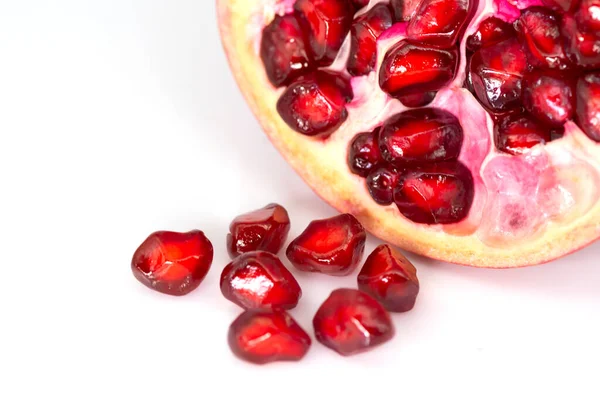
point(172, 262)
point(258, 281)
point(421, 135)
point(495, 74)
point(418, 99)
point(363, 39)
point(491, 31)
point(539, 29)
point(588, 105)
point(316, 103)
point(262, 337)
point(351, 321)
point(283, 51)
point(364, 153)
point(435, 194)
point(381, 183)
point(390, 278)
point(549, 97)
point(411, 68)
point(583, 48)
point(332, 246)
point(326, 22)
point(265, 229)
point(438, 22)
point(588, 16)
point(562, 5)
point(517, 133)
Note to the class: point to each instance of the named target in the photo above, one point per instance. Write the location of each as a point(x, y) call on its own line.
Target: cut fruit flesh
point(504, 227)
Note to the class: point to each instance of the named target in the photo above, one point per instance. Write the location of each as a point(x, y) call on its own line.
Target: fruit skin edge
point(305, 155)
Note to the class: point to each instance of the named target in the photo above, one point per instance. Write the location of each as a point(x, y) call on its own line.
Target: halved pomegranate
point(463, 130)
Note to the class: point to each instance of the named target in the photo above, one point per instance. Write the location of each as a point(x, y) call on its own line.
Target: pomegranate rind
point(322, 164)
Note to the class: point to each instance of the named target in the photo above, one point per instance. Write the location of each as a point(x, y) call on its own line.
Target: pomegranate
point(173, 263)
point(463, 130)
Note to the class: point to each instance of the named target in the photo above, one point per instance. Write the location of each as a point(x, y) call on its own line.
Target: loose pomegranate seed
point(438, 22)
point(539, 29)
point(261, 337)
point(316, 103)
point(332, 246)
point(583, 48)
point(363, 39)
point(283, 50)
point(364, 153)
point(562, 5)
point(258, 281)
point(381, 183)
point(411, 68)
point(420, 136)
point(172, 262)
point(588, 16)
point(418, 99)
point(495, 74)
point(517, 133)
point(588, 105)
point(549, 97)
point(390, 278)
point(265, 229)
point(351, 321)
point(491, 31)
point(326, 22)
point(435, 194)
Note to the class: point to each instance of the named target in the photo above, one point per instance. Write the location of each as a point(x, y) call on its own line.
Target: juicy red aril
point(583, 48)
point(562, 5)
point(539, 29)
point(420, 136)
point(411, 68)
point(316, 103)
point(491, 31)
point(363, 39)
point(435, 194)
point(265, 229)
point(390, 278)
point(588, 16)
point(418, 99)
point(381, 183)
point(261, 337)
point(351, 321)
point(438, 22)
point(549, 97)
point(588, 105)
point(172, 262)
point(332, 246)
point(364, 153)
point(258, 280)
point(283, 50)
point(517, 133)
point(495, 75)
point(326, 22)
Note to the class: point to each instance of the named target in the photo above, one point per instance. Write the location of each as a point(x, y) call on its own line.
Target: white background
point(119, 118)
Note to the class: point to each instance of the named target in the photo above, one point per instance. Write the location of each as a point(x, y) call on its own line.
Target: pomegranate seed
point(381, 183)
point(588, 105)
point(326, 22)
point(261, 337)
point(495, 74)
point(351, 321)
point(265, 229)
point(363, 39)
point(438, 22)
point(258, 281)
point(172, 262)
point(390, 278)
point(418, 99)
point(411, 68)
point(588, 16)
point(517, 133)
point(562, 5)
point(491, 31)
point(420, 136)
point(364, 153)
point(539, 29)
point(583, 48)
point(315, 105)
point(283, 51)
point(549, 97)
point(435, 194)
point(332, 246)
